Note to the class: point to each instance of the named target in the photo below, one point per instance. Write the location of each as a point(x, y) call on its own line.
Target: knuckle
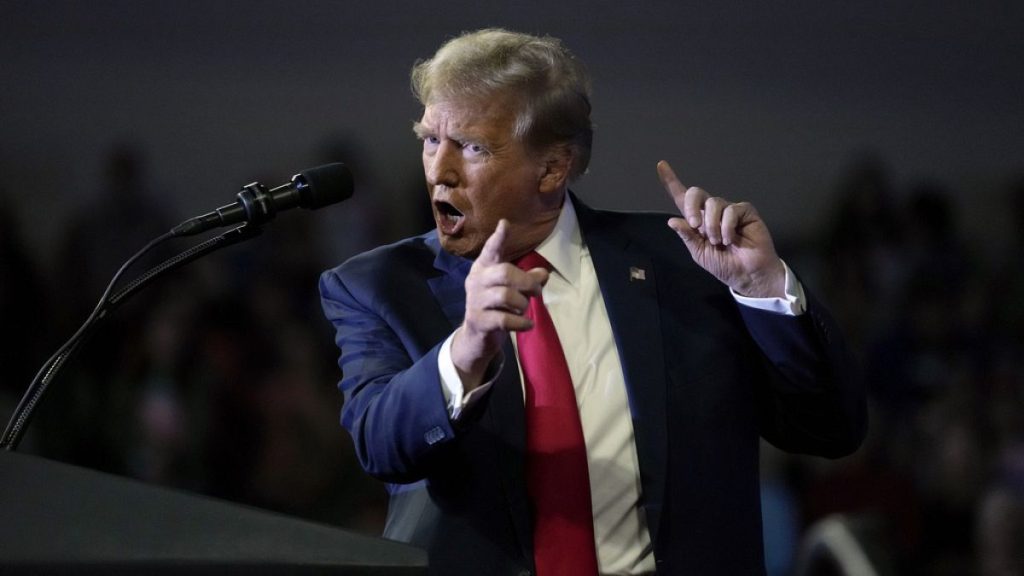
point(502, 275)
point(505, 322)
point(491, 275)
point(495, 297)
point(517, 301)
point(508, 296)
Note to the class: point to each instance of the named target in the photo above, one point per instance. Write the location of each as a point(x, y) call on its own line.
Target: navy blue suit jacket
point(705, 378)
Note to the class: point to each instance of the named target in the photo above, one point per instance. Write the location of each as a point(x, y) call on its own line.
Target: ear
point(555, 168)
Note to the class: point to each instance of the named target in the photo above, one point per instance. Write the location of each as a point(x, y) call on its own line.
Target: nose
point(442, 167)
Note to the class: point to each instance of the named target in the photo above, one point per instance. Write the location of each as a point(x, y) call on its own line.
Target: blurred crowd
point(938, 487)
point(220, 379)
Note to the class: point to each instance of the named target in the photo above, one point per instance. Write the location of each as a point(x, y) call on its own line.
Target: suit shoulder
point(402, 257)
point(639, 226)
point(645, 220)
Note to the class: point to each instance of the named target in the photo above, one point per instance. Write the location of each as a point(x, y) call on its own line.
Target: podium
point(56, 519)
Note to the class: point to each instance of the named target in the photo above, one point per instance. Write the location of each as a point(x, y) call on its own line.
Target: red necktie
point(556, 465)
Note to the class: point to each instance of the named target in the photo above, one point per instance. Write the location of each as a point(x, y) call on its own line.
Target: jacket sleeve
point(814, 403)
point(393, 404)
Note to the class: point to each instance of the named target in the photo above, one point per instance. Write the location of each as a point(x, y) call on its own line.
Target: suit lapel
point(628, 282)
point(450, 287)
point(504, 418)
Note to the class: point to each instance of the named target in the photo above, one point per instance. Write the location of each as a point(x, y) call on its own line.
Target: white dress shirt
point(574, 301)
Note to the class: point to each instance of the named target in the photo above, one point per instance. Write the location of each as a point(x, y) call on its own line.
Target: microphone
point(313, 188)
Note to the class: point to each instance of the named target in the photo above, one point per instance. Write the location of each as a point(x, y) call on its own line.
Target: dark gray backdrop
point(766, 101)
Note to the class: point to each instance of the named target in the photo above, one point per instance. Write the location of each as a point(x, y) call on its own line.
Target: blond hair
point(552, 86)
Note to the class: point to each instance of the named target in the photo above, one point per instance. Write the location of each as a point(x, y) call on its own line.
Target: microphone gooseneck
point(311, 189)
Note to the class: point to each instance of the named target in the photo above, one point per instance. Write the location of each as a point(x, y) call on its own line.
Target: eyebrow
point(420, 130)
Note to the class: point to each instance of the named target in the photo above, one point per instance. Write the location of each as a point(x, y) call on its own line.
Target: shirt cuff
point(451, 383)
point(794, 304)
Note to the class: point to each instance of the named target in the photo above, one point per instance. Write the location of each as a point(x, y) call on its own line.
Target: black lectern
point(57, 519)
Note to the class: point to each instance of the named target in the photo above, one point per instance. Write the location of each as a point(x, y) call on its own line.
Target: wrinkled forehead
point(510, 99)
point(495, 115)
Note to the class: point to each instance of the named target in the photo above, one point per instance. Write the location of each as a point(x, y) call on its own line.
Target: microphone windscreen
point(326, 185)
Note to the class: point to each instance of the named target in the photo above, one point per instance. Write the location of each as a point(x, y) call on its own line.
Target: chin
point(459, 246)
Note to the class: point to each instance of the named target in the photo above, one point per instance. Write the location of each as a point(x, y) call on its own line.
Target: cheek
point(500, 192)
point(513, 199)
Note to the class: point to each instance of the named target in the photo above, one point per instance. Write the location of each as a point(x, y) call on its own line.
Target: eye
point(430, 143)
point(474, 149)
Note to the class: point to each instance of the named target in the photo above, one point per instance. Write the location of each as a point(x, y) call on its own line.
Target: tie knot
point(532, 260)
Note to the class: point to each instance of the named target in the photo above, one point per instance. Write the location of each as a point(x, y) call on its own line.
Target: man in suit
point(684, 344)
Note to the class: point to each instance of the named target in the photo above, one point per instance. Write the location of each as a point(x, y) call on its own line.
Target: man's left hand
point(729, 240)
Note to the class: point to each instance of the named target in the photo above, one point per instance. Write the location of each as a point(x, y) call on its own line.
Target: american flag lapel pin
point(637, 274)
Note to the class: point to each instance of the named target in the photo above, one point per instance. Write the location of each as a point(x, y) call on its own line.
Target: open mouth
point(449, 218)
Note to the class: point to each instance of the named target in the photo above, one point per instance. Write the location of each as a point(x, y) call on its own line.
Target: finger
point(693, 206)
point(687, 200)
point(504, 299)
point(505, 274)
point(690, 236)
point(733, 219)
point(679, 193)
point(538, 278)
point(501, 320)
point(491, 253)
point(671, 182)
point(713, 209)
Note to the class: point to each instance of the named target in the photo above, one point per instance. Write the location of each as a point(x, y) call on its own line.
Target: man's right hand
point(497, 295)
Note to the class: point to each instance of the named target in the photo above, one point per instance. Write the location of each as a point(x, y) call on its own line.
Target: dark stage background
point(881, 140)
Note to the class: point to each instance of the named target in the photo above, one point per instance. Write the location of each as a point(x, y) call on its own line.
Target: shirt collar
point(563, 248)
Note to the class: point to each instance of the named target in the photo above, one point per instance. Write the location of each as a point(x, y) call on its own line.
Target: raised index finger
point(689, 205)
point(492, 252)
point(671, 183)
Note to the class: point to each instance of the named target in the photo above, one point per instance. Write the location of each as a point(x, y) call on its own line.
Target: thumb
point(492, 252)
point(688, 234)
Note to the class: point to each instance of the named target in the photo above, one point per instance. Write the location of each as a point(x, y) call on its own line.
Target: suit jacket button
point(434, 435)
